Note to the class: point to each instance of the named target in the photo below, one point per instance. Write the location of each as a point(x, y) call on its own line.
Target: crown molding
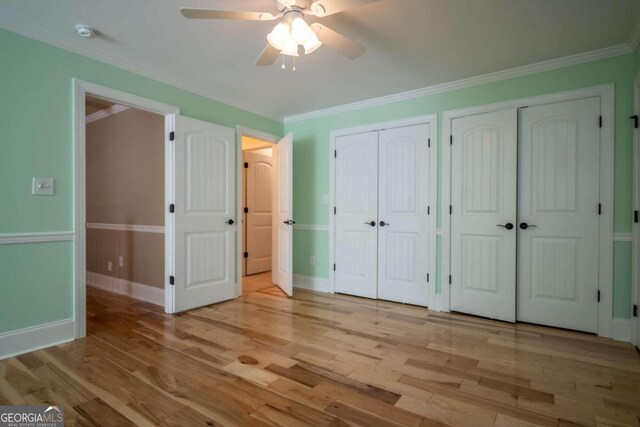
point(85, 50)
point(553, 64)
point(110, 111)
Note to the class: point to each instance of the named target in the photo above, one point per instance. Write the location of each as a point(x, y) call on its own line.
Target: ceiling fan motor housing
point(289, 4)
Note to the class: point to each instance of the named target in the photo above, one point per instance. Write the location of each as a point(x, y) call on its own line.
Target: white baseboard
point(120, 286)
point(317, 284)
point(35, 338)
point(621, 329)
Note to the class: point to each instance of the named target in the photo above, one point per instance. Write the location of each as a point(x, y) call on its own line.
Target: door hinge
point(635, 310)
point(598, 296)
point(335, 210)
point(172, 280)
point(599, 208)
point(429, 143)
point(635, 216)
point(246, 254)
point(246, 165)
point(172, 208)
point(449, 279)
point(428, 210)
point(600, 121)
point(246, 210)
point(450, 210)
point(334, 267)
point(450, 139)
point(635, 120)
point(335, 154)
point(172, 136)
point(427, 277)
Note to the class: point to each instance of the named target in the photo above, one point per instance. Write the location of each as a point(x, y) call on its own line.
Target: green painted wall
point(36, 122)
point(311, 145)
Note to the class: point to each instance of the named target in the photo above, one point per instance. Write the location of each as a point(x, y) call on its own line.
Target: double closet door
point(382, 194)
point(525, 214)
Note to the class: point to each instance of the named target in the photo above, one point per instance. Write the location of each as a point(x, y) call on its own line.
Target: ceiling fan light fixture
point(312, 44)
point(280, 36)
point(300, 30)
point(290, 48)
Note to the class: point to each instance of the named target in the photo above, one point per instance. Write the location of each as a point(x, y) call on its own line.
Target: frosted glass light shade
point(279, 36)
point(300, 30)
point(311, 44)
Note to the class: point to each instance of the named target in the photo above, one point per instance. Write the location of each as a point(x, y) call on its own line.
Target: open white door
point(282, 252)
point(204, 214)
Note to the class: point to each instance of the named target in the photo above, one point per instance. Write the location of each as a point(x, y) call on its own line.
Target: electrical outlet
point(43, 187)
point(110, 266)
point(312, 259)
point(121, 261)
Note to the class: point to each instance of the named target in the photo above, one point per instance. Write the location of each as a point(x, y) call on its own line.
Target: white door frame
point(605, 280)
point(433, 177)
point(263, 136)
point(80, 90)
point(635, 228)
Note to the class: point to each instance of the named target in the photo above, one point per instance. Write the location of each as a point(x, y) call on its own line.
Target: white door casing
point(282, 249)
point(403, 214)
point(559, 146)
point(357, 214)
point(259, 201)
point(483, 208)
point(204, 203)
point(636, 224)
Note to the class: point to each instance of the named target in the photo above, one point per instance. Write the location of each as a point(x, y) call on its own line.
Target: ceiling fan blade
point(330, 7)
point(195, 13)
point(268, 56)
point(337, 41)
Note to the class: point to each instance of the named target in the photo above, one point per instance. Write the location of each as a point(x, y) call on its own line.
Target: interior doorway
point(257, 214)
point(124, 193)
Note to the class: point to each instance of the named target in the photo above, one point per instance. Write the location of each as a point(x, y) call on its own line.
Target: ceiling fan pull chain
point(294, 64)
point(283, 66)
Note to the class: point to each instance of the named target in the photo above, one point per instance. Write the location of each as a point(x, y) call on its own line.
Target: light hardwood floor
point(321, 360)
point(256, 282)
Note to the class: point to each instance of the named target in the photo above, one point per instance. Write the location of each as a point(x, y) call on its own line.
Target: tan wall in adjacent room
point(125, 185)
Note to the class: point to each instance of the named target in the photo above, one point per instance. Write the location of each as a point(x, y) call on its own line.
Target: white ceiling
point(411, 44)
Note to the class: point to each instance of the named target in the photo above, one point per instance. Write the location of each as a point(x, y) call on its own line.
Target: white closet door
point(259, 215)
point(483, 219)
point(282, 247)
point(204, 204)
point(357, 214)
point(559, 196)
point(403, 238)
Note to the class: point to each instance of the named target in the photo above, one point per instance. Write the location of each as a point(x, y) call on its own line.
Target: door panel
point(483, 183)
point(559, 196)
point(283, 219)
point(204, 202)
point(403, 241)
point(259, 217)
point(356, 205)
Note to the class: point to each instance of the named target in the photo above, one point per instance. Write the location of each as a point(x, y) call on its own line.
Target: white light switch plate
point(43, 186)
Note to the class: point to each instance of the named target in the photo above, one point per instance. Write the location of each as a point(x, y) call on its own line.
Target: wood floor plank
point(323, 360)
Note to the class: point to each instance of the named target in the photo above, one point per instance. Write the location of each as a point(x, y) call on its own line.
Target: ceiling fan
point(292, 30)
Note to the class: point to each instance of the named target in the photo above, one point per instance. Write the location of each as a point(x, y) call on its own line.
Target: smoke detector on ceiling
point(85, 31)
